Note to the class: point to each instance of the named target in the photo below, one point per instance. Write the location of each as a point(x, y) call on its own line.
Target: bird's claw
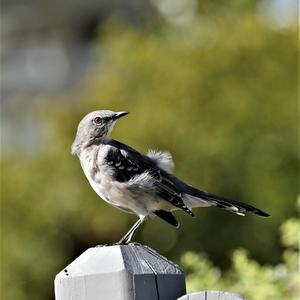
point(119, 243)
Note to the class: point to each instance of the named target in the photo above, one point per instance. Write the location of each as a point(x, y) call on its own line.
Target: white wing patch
point(163, 159)
point(143, 181)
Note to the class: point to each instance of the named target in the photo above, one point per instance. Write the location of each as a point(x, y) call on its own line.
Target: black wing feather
point(132, 163)
point(124, 169)
point(168, 217)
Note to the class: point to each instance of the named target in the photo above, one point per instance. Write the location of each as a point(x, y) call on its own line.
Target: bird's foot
point(122, 242)
point(128, 243)
point(119, 243)
point(135, 244)
point(104, 245)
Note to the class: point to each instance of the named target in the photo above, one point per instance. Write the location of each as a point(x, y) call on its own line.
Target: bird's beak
point(120, 114)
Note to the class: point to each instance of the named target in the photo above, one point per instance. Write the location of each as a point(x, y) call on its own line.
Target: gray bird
point(138, 183)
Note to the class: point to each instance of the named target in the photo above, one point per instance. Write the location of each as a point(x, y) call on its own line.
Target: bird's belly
point(113, 192)
point(117, 194)
point(110, 192)
point(120, 195)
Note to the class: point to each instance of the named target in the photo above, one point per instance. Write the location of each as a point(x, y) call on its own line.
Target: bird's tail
point(198, 198)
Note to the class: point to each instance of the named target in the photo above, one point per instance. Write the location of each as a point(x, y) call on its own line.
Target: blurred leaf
point(222, 90)
point(247, 277)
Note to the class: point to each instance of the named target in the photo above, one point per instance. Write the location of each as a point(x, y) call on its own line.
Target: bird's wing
point(163, 159)
point(128, 163)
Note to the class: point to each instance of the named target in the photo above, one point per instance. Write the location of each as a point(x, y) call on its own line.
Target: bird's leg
point(126, 239)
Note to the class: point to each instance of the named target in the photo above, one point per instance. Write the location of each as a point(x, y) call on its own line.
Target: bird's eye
point(97, 120)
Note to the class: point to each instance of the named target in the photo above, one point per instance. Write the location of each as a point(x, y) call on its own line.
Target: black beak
point(120, 114)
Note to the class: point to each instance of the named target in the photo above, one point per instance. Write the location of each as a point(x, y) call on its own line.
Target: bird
point(138, 183)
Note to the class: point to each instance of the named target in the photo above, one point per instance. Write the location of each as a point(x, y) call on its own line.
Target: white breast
point(99, 178)
point(113, 192)
point(118, 194)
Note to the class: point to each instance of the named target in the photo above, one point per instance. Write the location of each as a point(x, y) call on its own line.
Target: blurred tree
point(225, 92)
point(223, 88)
point(246, 276)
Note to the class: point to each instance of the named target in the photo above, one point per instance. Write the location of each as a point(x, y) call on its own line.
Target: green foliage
point(225, 89)
point(248, 277)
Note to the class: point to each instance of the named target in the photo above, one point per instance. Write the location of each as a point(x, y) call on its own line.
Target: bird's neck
point(80, 147)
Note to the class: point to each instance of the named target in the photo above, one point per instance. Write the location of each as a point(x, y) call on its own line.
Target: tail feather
point(234, 206)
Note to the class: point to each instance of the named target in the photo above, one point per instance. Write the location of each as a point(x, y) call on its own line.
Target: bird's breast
point(100, 176)
point(119, 194)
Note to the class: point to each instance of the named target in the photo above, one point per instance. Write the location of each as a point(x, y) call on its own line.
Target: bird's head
point(95, 126)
